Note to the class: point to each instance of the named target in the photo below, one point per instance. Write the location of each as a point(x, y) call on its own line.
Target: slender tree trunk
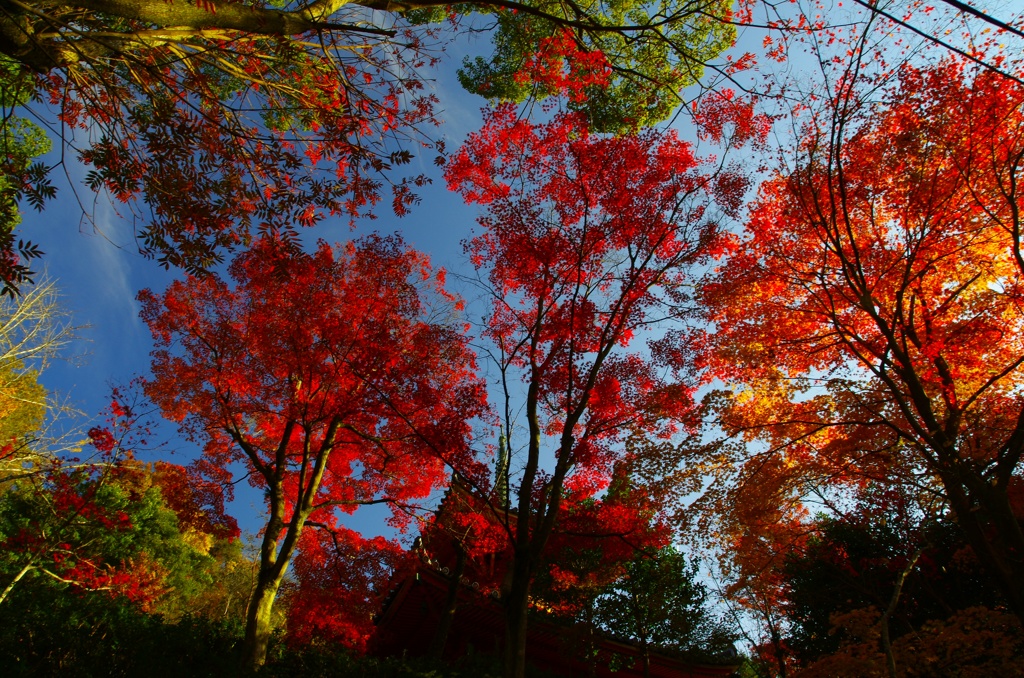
point(21, 573)
point(590, 649)
point(444, 624)
point(890, 660)
point(779, 650)
point(516, 604)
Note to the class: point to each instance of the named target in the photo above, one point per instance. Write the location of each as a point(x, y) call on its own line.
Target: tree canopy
point(213, 122)
point(324, 376)
point(627, 62)
point(586, 240)
point(870, 317)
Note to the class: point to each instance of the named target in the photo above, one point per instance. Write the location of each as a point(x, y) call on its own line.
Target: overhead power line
point(974, 11)
point(873, 7)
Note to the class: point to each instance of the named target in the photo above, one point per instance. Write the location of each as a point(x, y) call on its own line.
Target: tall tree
point(870, 318)
point(323, 376)
point(587, 243)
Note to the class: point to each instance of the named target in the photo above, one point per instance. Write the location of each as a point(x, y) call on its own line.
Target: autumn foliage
point(103, 523)
point(319, 373)
point(216, 122)
point(855, 332)
point(586, 241)
point(868, 321)
point(62, 524)
point(342, 579)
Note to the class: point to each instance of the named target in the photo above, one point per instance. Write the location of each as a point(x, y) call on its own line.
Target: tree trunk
point(590, 648)
point(258, 627)
point(890, 659)
point(19, 28)
point(516, 604)
point(273, 565)
point(21, 573)
point(444, 624)
point(1001, 554)
point(780, 658)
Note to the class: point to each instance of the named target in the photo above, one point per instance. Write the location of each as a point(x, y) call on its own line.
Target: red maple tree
point(588, 241)
point(320, 374)
point(871, 317)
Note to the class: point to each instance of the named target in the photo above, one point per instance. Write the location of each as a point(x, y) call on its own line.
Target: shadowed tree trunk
point(444, 624)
